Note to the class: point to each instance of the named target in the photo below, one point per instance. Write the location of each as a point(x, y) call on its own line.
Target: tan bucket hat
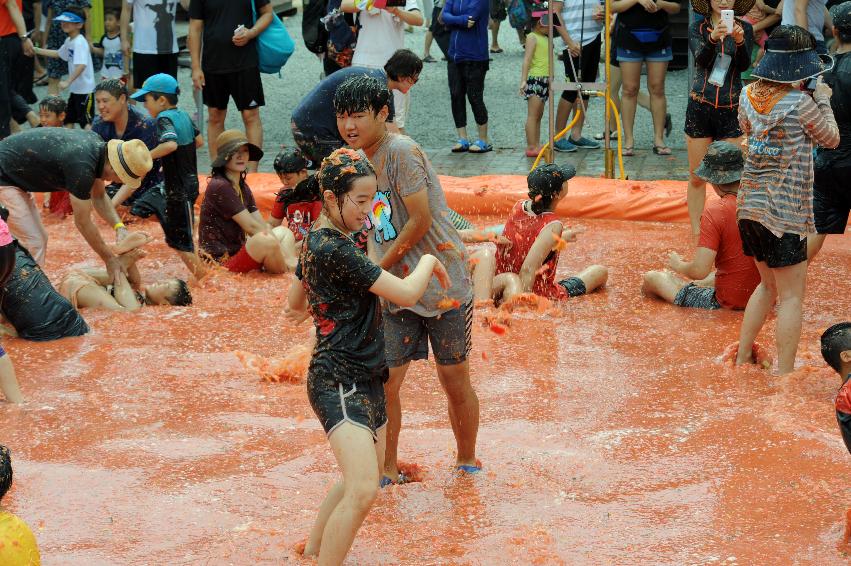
point(130, 160)
point(229, 143)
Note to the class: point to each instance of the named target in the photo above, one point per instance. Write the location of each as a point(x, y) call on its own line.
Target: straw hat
point(782, 64)
point(229, 143)
point(740, 7)
point(130, 160)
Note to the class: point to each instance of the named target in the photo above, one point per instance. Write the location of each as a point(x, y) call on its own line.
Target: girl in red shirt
point(536, 237)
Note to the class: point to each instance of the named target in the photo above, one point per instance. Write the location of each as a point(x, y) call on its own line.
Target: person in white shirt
point(109, 47)
point(154, 46)
point(81, 80)
point(382, 33)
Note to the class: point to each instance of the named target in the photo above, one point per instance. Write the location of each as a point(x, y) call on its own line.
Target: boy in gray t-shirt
point(409, 219)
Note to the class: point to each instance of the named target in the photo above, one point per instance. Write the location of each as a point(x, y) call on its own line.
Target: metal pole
point(550, 100)
point(608, 153)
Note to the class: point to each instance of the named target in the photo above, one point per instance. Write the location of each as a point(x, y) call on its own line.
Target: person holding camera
point(782, 122)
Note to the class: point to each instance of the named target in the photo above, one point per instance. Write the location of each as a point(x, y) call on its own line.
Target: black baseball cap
point(547, 179)
point(841, 15)
point(291, 160)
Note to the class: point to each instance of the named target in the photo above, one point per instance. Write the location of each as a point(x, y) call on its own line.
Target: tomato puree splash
point(612, 430)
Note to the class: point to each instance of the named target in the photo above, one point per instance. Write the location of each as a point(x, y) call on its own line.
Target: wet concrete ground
point(612, 432)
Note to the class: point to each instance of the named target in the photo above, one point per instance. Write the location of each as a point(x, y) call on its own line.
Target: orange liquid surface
point(612, 430)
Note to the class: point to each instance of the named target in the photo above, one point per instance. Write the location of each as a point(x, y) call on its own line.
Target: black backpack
point(312, 29)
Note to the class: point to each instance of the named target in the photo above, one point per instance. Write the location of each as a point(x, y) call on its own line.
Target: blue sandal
point(461, 145)
point(481, 145)
point(468, 469)
point(387, 480)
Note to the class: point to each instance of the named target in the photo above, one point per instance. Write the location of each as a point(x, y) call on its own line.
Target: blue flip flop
point(462, 145)
point(387, 480)
point(482, 145)
point(468, 469)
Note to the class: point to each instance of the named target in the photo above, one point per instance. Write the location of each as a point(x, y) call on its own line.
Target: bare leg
point(631, 73)
point(394, 420)
point(253, 131)
point(658, 103)
point(756, 311)
point(355, 452)
point(562, 113)
point(463, 409)
point(594, 277)
point(791, 287)
point(534, 113)
point(274, 250)
point(696, 195)
point(576, 131)
point(215, 126)
point(507, 286)
point(814, 244)
point(494, 25)
point(53, 86)
point(662, 284)
point(483, 272)
point(193, 263)
point(483, 132)
point(8, 380)
point(429, 37)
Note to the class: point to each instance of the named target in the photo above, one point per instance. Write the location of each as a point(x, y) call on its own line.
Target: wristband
point(118, 225)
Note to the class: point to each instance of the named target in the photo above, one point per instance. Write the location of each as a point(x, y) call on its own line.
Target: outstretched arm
point(406, 292)
point(698, 268)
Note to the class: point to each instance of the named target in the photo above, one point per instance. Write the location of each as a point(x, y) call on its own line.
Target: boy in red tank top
point(719, 244)
point(536, 237)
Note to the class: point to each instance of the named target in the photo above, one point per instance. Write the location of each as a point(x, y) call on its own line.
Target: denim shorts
point(361, 403)
point(407, 335)
point(696, 297)
point(634, 56)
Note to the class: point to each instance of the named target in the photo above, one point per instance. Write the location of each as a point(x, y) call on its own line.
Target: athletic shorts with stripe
point(361, 403)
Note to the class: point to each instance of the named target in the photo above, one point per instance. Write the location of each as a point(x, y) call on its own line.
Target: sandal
point(497, 50)
point(661, 150)
point(387, 480)
point(628, 151)
point(461, 145)
point(481, 145)
point(429, 59)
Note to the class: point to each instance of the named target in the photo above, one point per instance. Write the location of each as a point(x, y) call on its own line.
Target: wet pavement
point(612, 431)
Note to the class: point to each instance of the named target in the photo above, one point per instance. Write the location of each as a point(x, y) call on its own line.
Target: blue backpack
point(274, 45)
point(518, 14)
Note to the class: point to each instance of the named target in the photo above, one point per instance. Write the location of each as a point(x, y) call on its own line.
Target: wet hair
point(114, 87)
point(170, 98)
point(5, 471)
point(403, 63)
point(834, 341)
point(182, 298)
point(361, 94)
point(842, 34)
point(340, 169)
point(795, 36)
point(112, 12)
point(53, 104)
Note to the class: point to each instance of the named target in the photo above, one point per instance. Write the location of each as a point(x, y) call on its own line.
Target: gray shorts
point(407, 335)
point(696, 297)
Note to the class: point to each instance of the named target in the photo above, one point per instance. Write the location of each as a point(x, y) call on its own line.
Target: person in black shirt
point(831, 194)
point(339, 286)
point(228, 66)
point(642, 35)
point(45, 160)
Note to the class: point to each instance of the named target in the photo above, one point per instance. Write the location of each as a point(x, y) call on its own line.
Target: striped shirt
point(777, 183)
point(578, 18)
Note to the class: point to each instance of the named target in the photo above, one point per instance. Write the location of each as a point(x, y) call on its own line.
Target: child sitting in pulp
point(537, 236)
point(340, 287)
point(299, 200)
point(719, 243)
point(836, 351)
point(231, 230)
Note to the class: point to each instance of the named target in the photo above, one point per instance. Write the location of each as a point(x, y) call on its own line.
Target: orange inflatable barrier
point(612, 199)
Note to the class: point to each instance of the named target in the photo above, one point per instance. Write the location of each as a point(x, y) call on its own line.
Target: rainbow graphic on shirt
point(381, 216)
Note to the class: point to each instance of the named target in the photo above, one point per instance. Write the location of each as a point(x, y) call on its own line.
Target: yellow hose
point(567, 128)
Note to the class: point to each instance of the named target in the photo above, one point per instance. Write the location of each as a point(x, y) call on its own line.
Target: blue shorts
point(634, 56)
point(695, 297)
point(407, 335)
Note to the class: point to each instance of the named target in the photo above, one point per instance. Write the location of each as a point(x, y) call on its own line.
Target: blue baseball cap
point(162, 83)
point(69, 17)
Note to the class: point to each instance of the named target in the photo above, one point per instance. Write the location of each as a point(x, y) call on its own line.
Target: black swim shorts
point(179, 224)
point(705, 121)
point(574, 286)
point(762, 245)
point(361, 404)
point(831, 199)
point(693, 296)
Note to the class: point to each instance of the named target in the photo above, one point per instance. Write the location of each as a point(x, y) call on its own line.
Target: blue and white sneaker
point(564, 145)
point(585, 143)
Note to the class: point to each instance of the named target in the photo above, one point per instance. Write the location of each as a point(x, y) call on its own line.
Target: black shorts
point(831, 199)
point(586, 66)
point(244, 86)
point(613, 52)
point(574, 286)
point(407, 336)
point(146, 65)
point(361, 404)
point(759, 243)
point(705, 121)
point(498, 10)
point(178, 223)
point(81, 109)
point(696, 297)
